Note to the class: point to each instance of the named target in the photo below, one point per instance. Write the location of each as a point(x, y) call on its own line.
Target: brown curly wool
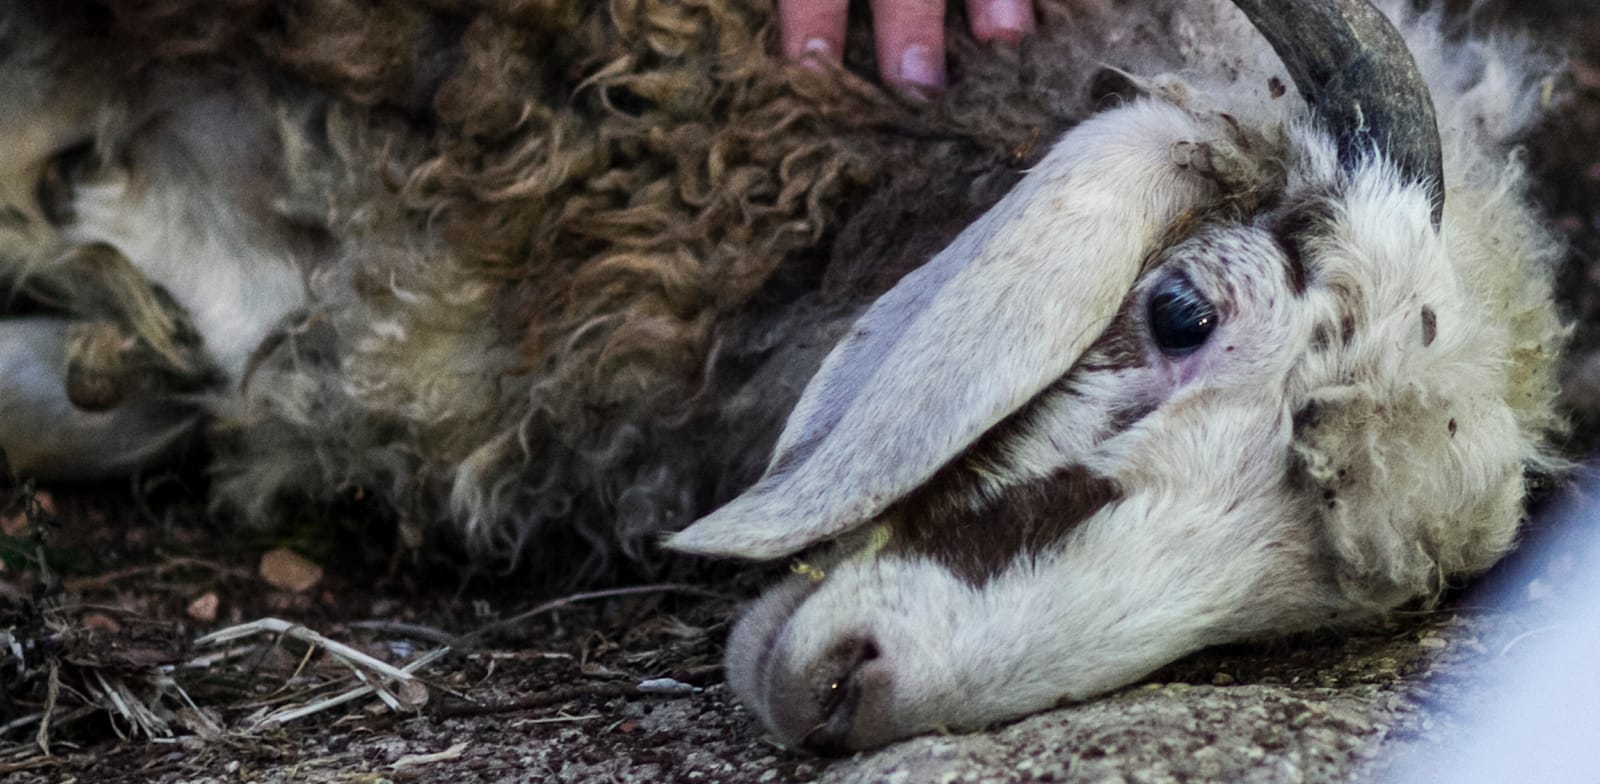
point(570, 263)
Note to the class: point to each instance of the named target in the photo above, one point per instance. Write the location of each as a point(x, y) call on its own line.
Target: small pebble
point(667, 686)
point(204, 608)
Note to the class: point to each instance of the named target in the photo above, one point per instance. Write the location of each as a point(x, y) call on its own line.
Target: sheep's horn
point(1354, 69)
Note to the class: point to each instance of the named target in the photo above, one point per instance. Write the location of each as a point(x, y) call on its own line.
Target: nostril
point(869, 650)
point(843, 687)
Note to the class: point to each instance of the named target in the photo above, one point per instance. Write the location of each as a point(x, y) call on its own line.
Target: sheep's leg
point(43, 434)
point(132, 339)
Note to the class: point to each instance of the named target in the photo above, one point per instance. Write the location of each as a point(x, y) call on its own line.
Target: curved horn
point(1354, 69)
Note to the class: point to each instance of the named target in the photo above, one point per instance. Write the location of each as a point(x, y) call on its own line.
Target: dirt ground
point(103, 598)
point(554, 693)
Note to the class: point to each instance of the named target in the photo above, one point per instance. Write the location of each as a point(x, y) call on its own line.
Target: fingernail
point(817, 47)
point(1011, 19)
point(920, 68)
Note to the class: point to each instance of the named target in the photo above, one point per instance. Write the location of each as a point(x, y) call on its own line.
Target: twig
point(83, 584)
point(414, 760)
point(116, 705)
point(395, 703)
point(52, 693)
point(298, 668)
point(290, 714)
point(557, 719)
point(20, 722)
point(206, 661)
point(279, 626)
point(415, 630)
point(24, 721)
point(556, 604)
point(363, 666)
point(132, 710)
point(452, 710)
point(207, 728)
point(28, 764)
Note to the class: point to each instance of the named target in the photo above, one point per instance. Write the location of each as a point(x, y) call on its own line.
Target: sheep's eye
point(1180, 317)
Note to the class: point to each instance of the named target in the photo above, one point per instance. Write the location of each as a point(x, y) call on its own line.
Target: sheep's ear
point(967, 338)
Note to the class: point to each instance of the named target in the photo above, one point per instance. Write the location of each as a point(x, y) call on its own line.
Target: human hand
point(909, 35)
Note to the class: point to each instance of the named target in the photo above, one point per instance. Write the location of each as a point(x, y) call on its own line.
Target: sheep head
point(1190, 382)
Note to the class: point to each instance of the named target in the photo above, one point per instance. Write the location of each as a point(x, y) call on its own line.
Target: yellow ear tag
point(811, 572)
point(877, 539)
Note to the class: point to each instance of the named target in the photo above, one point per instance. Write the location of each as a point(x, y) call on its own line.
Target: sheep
point(1245, 419)
point(1255, 346)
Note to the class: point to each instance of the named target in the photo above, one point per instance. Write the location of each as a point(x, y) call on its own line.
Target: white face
point(1123, 518)
point(1097, 435)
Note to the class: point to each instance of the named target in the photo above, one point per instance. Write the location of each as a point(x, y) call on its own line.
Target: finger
point(1004, 20)
point(910, 44)
point(813, 28)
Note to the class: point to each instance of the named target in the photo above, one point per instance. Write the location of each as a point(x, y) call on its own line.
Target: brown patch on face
point(1307, 417)
point(1293, 259)
point(1430, 326)
point(1320, 339)
point(964, 519)
point(1290, 231)
point(1351, 309)
point(978, 544)
point(1126, 416)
